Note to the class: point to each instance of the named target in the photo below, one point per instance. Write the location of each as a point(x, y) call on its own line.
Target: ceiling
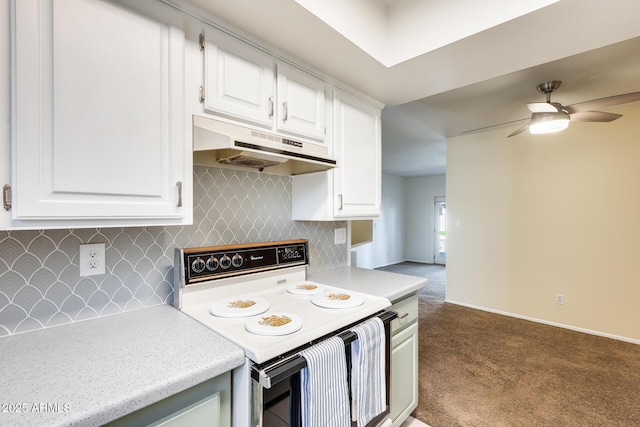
point(442, 67)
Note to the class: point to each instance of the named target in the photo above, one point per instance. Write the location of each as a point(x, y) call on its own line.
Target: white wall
point(420, 237)
point(389, 230)
point(547, 214)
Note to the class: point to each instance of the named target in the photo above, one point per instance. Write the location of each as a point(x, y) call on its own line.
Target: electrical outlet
point(92, 259)
point(560, 299)
point(340, 236)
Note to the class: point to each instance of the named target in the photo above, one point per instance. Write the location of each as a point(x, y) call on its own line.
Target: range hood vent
point(217, 143)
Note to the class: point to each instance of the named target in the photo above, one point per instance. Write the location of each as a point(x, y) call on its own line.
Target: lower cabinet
point(205, 405)
point(404, 360)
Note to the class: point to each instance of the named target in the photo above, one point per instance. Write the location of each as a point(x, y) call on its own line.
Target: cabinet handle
point(270, 106)
point(339, 202)
point(179, 185)
point(6, 197)
point(201, 94)
point(201, 41)
point(285, 112)
point(403, 315)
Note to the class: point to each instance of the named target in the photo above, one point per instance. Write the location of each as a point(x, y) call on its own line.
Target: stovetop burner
point(280, 323)
point(305, 288)
point(239, 306)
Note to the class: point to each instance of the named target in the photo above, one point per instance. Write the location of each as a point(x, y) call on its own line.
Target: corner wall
point(548, 214)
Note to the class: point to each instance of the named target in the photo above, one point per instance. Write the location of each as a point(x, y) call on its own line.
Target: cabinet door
point(357, 144)
point(300, 103)
point(5, 108)
point(205, 405)
point(239, 79)
point(404, 374)
point(99, 113)
point(203, 413)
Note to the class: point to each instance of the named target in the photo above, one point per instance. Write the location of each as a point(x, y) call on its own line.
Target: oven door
point(276, 390)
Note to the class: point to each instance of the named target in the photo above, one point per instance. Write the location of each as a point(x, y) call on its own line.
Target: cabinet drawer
point(407, 310)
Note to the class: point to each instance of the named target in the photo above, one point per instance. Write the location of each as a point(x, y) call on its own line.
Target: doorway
point(440, 230)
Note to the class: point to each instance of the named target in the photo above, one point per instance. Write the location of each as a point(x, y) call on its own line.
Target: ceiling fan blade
point(601, 103)
point(491, 127)
point(594, 116)
point(519, 130)
point(542, 107)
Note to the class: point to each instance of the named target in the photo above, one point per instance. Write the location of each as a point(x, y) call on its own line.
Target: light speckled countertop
point(91, 372)
point(392, 286)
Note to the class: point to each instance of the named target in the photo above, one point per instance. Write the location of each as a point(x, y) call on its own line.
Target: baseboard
point(420, 261)
point(390, 263)
point(407, 260)
point(546, 322)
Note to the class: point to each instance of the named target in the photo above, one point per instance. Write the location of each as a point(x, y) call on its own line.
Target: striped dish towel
point(324, 387)
point(368, 391)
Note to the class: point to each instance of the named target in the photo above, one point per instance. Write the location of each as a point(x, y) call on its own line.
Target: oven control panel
point(223, 261)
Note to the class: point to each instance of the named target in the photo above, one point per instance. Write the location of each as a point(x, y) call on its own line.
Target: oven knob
point(237, 260)
point(198, 265)
point(212, 263)
point(225, 262)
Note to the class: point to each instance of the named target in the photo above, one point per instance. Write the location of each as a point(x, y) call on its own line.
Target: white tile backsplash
point(40, 285)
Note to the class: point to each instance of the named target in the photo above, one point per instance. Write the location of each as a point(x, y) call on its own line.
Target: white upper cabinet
point(239, 79)
point(243, 82)
point(100, 135)
point(357, 143)
point(353, 189)
point(301, 102)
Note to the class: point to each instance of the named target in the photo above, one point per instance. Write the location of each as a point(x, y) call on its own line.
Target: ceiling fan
point(550, 116)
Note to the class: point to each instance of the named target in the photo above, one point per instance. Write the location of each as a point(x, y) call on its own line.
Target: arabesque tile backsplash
point(40, 284)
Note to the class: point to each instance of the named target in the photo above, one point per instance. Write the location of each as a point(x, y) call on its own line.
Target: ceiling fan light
point(548, 122)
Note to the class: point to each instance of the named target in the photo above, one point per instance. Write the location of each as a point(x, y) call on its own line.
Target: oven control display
point(211, 263)
point(287, 254)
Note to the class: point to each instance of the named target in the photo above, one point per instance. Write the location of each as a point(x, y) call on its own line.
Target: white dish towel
point(324, 385)
point(368, 391)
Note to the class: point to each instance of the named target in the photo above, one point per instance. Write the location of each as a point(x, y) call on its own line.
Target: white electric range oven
point(257, 296)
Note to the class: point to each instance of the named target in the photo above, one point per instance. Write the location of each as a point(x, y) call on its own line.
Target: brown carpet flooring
point(484, 369)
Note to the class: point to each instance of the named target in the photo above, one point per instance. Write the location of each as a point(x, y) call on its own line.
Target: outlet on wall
point(340, 236)
point(92, 259)
point(560, 299)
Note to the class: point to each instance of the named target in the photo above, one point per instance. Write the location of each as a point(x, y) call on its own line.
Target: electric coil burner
point(257, 296)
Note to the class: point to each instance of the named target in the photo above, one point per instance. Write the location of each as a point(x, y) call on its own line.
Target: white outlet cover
point(85, 259)
point(340, 236)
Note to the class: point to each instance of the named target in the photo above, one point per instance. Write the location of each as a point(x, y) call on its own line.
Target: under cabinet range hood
point(217, 143)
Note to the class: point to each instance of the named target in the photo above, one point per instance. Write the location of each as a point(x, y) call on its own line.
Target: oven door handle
point(276, 373)
point(282, 369)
